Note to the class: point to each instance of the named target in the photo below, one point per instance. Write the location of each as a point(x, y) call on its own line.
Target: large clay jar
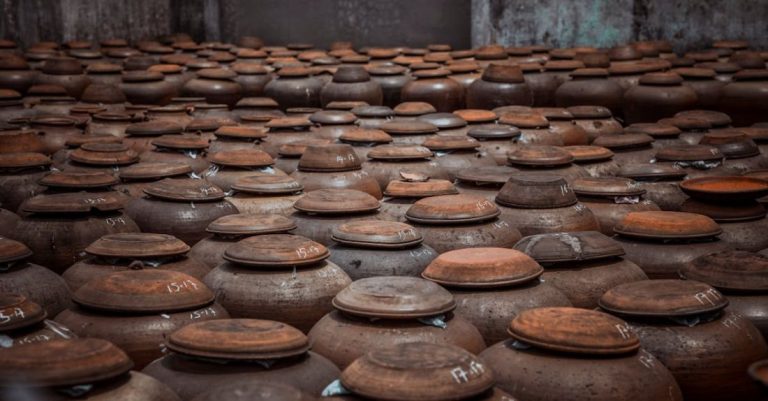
point(320, 211)
point(704, 83)
point(741, 152)
point(658, 95)
point(590, 87)
point(611, 198)
point(100, 157)
point(492, 285)
point(363, 140)
point(138, 176)
point(139, 136)
point(497, 140)
point(228, 166)
point(66, 72)
point(88, 368)
point(545, 160)
point(537, 204)
point(19, 174)
point(352, 83)
point(12, 107)
point(401, 194)
point(546, 82)
point(133, 251)
point(694, 160)
point(451, 222)
point(286, 130)
point(216, 85)
point(661, 183)
point(371, 248)
point(294, 87)
point(663, 134)
point(334, 166)
point(265, 194)
point(334, 122)
point(379, 312)
point(744, 98)
point(455, 153)
point(500, 85)
point(597, 161)
point(409, 132)
point(561, 123)
point(186, 148)
point(56, 131)
point(137, 309)
point(34, 282)
point(683, 324)
point(372, 117)
point(146, 87)
point(228, 230)
point(179, 207)
point(577, 354)
point(662, 242)
point(582, 265)
point(391, 78)
point(253, 78)
point(24, 322)
point(15, 74)
point(295, 282)
point(224, 353)
point(434, 87)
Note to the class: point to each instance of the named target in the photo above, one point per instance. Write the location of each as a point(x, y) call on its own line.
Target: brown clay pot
point(147, 87)
point(320, 211)
point(658, 95)
point(352, 84)
point(216, 85)
point(590, 87)
point(743, 98)
point(500, 85)
point(434, 87)
point(294, 87)
point(19, 174)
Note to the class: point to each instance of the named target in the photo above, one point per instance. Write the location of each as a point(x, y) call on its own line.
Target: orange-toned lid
point(452, 209)
point(588, 153)
point(408, 127)
point(419, 188)
point(74, 202)
point(668, 298)
point(149, 170)
point(242, 158)
point(104, 154)
point(18, 312)
point(251, 224)
point(276, 250)
point(539, 156)
point(137, 245)
point(395, 297)
point(414, 109)
point(482, 268)
point(376, 234)
point(191, 190)
point(450, 143)
point(336, 201)
point(332, 157)
point(667, 225)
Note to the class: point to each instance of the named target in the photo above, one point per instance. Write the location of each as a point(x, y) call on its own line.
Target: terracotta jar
point(434, 87)
point(545, 160)
point(404, 310)
point(704, 83)
point(88, 368)
point(12, 107)
point(456, 153)
point(662, 242)
point(628, 148)
point(500, 85)
point(231, 138)
point(409, 132)
point(590, 87)
point(744, 98)
point(64, 71)
point(534, 128)
point(8, 222)
point(133, 251)
point(545, 83)
point(320, 211)
point(497, 140)
point(399, 195)
point(172, 74)
point(189, 149)
point(266, 194)
point(104, 73)
point(628, 75)
point(24, 322)
point(110, 123)
point(484, 181)
point(296, 283)
point(561, 122)
point(253, 78)
point(138, 176)
point(559, 353)
point(352, 83)
point(538, 204)
point(660, 182)
point(147, 87)
point(19, 174)
point(334, 166)
point(692, 128)
point(391, 78)
point(582, 265)
point(228, 166)
point(684, 325)
point(493, 285)
point(596, 161)
point(34, 282)
point(228, 230)
point(741, 153)
point(294, 87)
point(410, 110)
point(216, 85)
point(15, 74)
point(596, 121)
point(56, 131)
point(658, 95)
point(611, 198)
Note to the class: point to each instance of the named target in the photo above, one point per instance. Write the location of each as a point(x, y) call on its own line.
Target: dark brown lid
point(636, 68)
point(62, 66)
point(667, 225)
point(443, 120)
point(695, 72)
point(289, 123)
point(74, 202)
point(351, 74)
point(588, 153)
point(607, 186)
point(574, 330)
point(524, 120)
point(687, 123)
point(589, 112)
point(11, 251)
point(149, 170)
point(181, 141)
point(60, 363)
point(80, 140)
point(503, 73)
point(554, 113)
point(486, 175)
point(144, 291)
point(217, 74)
point(365, 136)
point(661, 78)
point(563, 65)
point(725, 212)
point(429, 73)
point(450, 142)
point(569, 247)
point(419, 189)
point(387, 70)
point(104, 154)
point(683, 153)
point(623, 141)
point(758, 134)
point(539, 156)
point(452, 209)
point(142, 76)
point(463, 67)
point(240, 132)
point(373, 111)
point(239, 339)
point(394, 297)
point(720, 67)
point(137, 245)
point(208, 124)
point(242, 158)
point(590, 73)
point(333, 157)
point(332, 117)
point(668, 298)
point(77, 180)
point(732, 143)
point(335, 201)
point(276, 250)
point(493, 131)
point(414, 109)
point(719, 188)
point(376, 234)
point(729, 270)
point(651, 171)
point(23, 160)
point(482, 268)
point(18, 312)
point(267, 184)
point(297, 148)
point(532, 191)
point(257, 102)
point(625, 53)
point(417, 372)
point(408, 127)
point(655, 130)
point(751, 75)
point(185, 190)
point(251, 224)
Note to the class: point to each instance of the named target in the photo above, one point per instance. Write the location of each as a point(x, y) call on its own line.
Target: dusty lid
point(104, 154)
point(208, 124)
point(237, 132)
point(668, 298)
point(539, 156)
point(242, 158)
point(683, 153)
point(443, 120)
point(74, 202)
point(655, 130)
point(724, 188)
point(137, 245)
point(394, 297)
point(732, 143)
point(396, 152)
point(276, 250)
point(150, 170)
point(729, 270)
point(184, 190)
point(414, 109)
point(569, 247)
point(667, 225)
point(62, 66)
point(493, 131)
point(332, 157)
point(365, 136)
point(482, 268)
point(590, 73)
point(486, 175)
point(251, 224)
point(588, 153)
point(333, 117)
point(563, 65)
point(646, 171)
point(452, 209)
point(429, 73)
point(18, 312)
point(143, 291)
point(216, 74)
point(61, 363)
point(23, 160)
point(417, 372)
point(267, 185)
point(11, 251)
point(78, 180)
point(336, 201)
point(419, 189)
point(574, 330)
point(373, 111)
point(695, 73)
point(528, 120)
point(293, 123)
point(450, 143)
point(503, 73)
point(408, 127)
point(623, 141)
point(554, 113)
point(297, 148)
point(376, 234)
point(532, 191)
point(181, 141)
point(661, 79)
point(257, 102)
point(606, 186)
point(239, 339)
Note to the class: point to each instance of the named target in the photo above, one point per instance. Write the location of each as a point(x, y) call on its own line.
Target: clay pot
point(434, 87)
point(391, 78)
point(334, 166)
point(743, 98)
point(694, 160)
point(230, 138)
point(66, 72)
point(500, 85)
point(534, 128)
point(15, 74)
point(611, 198)
point(146, 87)
point(24, 322)
point(138, 176)
point(545, 160)
point(590, 87)
point(596, 121)
point(703, 81)
point(629, 148)
point(19, 174)
point(320, 211)
point(658, 95)
point(139, 135)
point(497, 140)
point(661, 183)
point(399, 195)
point(229, 166)
point(741, 153)
point(294, 87)
point(56, 131)
point(484, 181)
point(253, 390)
point(352, 84)
point(216, 85)
point(266, 194)
point(253, 78)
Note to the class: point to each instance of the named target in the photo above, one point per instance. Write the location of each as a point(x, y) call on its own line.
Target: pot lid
point(720, 67)
point(503, 73)
point(104, 154)
point(655, 130)
point(624, 53)
point(137, 245)
point(408, 127)
point(373, 111)
point(722, 188)
point(276, 250)
point(60, 363)
point(450, 142)
point(539, 156)
point(463, 67)
point(589, 112)
point(239, 339)
point(414, 109)
point(62, 66)
point(687, 123)
point(536, 191)
point(524, 120)
point(267, 184)
point(725, 211)
point(636, 68)
point(332, 157)
point(623, 141)
point(493, 131)
point(729, 270)
point(242, 158)
point(661, 79)
point(208, 124)
point(431, 72)
point(18, 312)
point(257, 102)
point(667, 225)
point(11, 251)
point(78, 180)
point(332, 117)
point(682, 153)
point(365, 135)
point(569, 247)
point(181, 141)
point(607, 186)
point(574, 330)
point(443, 120)
point(149, 170)
point(217, 74)
point(297, 148)
point(240, 132)
point(486, 175)
point(251, 224)
point(590, 73)
point(563, 65)
point(554, 113)
point(74, 202)
point(751, 75)
point(384, 70)
point(23, 160)
point(335, 201)
point(588, 153)
point(80, 140)
point(142, 76)
point(651, 170)
point(758, 134)
point(144, 291)
point(419, 189)
point(153, 128)
point(734, 144)
point(394, 297)
point(377, 234)
point(351, 74)
point(667, 298)
point(418, 371)
point(482, 268)
point(695, 73)
point(452, 209)
point(184, 190)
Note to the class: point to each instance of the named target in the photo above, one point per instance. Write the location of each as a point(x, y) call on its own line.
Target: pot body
point(745, 101)
point(88, 269)
point(666, 194)
point(591, 92)
point(385, 171)
point(319, 227)
point(753, 306)
point(8, 223)
point(661, 260)
point(488, 95)
point(543, 86)
point(153, 92)
point(18, 80)
point(295, 92)
point(74, 84)
point(708, 92)
point(599, 126)
point(584, 283)
point(647, 103)
point(186, 221)
point(368, 91)
point(278, 204)
point(391, 86)
point(253, 84)
point(215, 91)
point(371, 262)
point(541, 221)
point(452, 162)
point(500, 232)
point(445, 94)
point(38, 284)
point(19, 186)
point(746, 235)
point(356, 179)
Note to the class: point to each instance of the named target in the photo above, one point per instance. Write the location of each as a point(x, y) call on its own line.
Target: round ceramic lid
point(61, 363)
point(239, 339)
point(336, 157)
point(394, 297)
point(443, 120)
point(493, 131)
point(334, 201)
point(301, 123)
point(725, 211)
point(452, 209)
point(539, 156)
point(78, 180)
point(482, 268)
point(476, 116)
point(297, 148)
point(569, 247)
point(104, 154)
point(153, 128)
point(529, 120)
point(417, 372)
point(137, 245)
point(267, 185)
point(74, 202)
point(656, 130)
point(376, 234)
point(332, 117)
point(450, 143)
point(716, 118)
point(185, 190)
point(150, 170)
point(397, 152)
point(733, 143)
point(554, 113)
point(589, 154)
point(717, 188)
point(667, 225)
point(240, 132)
point(373, 111)
point(80, 140)
point(365, 135)
point(683, 153)
point(689, 123)
point(574, 330)
point(651, 171)
point(668, 298)
point(181, 141)
point(729, 270)
point(419, 189)
point(623, 141)
point(589, 112)
point(414, 109)
point(408, 127)
point(242, 158)
point(276, 250)
point(530, 191)
point(11, 251)
point(144, 291)
point(486, 175)
point(606, 186)
point(23, 160)
point(251, 224)
point(18, 312)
